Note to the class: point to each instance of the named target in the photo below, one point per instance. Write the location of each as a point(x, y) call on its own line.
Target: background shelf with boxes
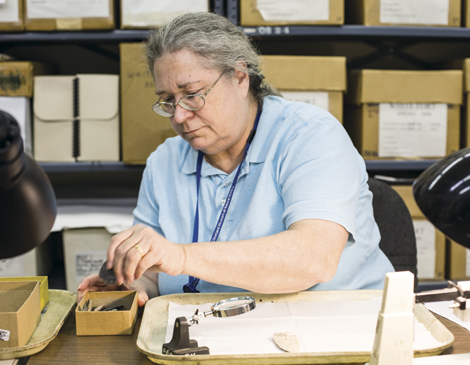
point(77, 48)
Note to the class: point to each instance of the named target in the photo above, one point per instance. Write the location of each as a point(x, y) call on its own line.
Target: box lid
point(305, 72)
point(98, 97)
point(392, 86)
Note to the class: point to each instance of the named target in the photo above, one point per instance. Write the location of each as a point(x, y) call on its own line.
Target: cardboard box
point(466, 13)
point(316, 80)
point(11, 16)
point(84, 253)
point(102, 323)
point(151, 13)
point(430, 243)
point(404, 114)
point(279, 12)
point(43, 286)
point(16, 77)
point(143, 130)
point(51, 15)
point(458, 263)
point(19, 107)
point(466, 120)
point(20, 312)
point(36, 262)
point(91, 135)
point(404, 12)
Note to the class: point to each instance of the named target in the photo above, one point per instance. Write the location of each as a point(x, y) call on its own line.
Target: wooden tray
point(52, 318)
point(155, 319)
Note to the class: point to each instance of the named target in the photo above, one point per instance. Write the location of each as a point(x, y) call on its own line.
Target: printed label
point(9, 12)
point(12, 267)
point(4, 335)
point(319, 99)
point(426, 247)
point(295, 10)
point(412, 130)
point(414, 11)
point(87, 263)
point(46, 9)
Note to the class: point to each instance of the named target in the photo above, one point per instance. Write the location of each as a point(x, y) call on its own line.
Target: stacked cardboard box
point(466, 13)
point(444, 13)
point(466, 119)
point(458, 262)
point(84, 253)
point(76, 118)
point(150, 13)
point(315, 80)
point(142, 130)
point(11, 15)
point(278, 12)
point(50, 15)
point(430, 242)
point(404, 114)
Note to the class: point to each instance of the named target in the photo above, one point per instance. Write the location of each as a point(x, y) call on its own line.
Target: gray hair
point(219, 42)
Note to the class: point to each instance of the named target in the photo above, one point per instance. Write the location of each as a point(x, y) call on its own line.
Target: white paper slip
point(9, 12)
point(317, 98)
point(414, 12)
point(426, 248)
point(46, 9)
point(294, 10)
point(327, 326)
point(467, 262)
point(412, 130)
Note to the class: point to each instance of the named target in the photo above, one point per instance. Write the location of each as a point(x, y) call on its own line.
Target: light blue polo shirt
point(300, 165)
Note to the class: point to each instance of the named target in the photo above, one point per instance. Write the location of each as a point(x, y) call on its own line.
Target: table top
point(105, 350)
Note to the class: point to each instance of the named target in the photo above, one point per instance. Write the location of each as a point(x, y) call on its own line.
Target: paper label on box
point(426, 248)
point(88, 262)
point(9, 12)
point(412, 130)
point(12, 267)
point(47, 9)
point(294, 10)
point(4, 335)
point(319, 99)
point(143, 12)
point(414, 11)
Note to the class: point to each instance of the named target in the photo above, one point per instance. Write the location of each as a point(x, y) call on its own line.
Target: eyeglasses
point(191, 102)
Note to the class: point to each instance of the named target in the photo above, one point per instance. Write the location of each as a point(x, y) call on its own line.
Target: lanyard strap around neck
point(191, 286)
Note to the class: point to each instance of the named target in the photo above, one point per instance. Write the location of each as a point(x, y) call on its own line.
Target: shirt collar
point(256, 153)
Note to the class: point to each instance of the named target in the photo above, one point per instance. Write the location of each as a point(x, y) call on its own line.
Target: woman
point(277, 184)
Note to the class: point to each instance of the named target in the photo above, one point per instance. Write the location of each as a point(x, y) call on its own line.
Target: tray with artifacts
point(53, 317)
point(311, 327)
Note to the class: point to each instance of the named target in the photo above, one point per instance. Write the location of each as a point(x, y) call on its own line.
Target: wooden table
point(69, 349)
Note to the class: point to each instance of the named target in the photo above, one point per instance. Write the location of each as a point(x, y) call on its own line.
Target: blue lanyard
point(191, 286)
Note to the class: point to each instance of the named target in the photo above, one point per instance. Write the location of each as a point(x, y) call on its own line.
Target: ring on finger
point(139, 249)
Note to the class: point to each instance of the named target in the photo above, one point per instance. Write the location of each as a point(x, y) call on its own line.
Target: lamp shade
point(442, 192)
point(27, 200)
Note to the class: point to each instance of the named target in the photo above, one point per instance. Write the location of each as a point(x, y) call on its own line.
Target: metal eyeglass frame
point(158, 109)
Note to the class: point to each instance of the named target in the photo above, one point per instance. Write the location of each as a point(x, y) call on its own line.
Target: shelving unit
point(98, 52)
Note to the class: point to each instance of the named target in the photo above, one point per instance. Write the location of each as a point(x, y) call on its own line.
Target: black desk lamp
point(442, 192)
point(27, 201)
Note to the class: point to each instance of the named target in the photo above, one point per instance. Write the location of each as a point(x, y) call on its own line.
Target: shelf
point(371, 165)
point(66, 167)
point(360, 32)
point(105, 36)
point(338, 32)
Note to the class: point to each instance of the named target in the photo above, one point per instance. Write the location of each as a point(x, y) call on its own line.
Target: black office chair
point(396, 227)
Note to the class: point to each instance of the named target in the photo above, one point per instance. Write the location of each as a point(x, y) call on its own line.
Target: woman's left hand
point(140, 248)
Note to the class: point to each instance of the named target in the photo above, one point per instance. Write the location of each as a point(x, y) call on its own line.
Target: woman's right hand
point(93, 283)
